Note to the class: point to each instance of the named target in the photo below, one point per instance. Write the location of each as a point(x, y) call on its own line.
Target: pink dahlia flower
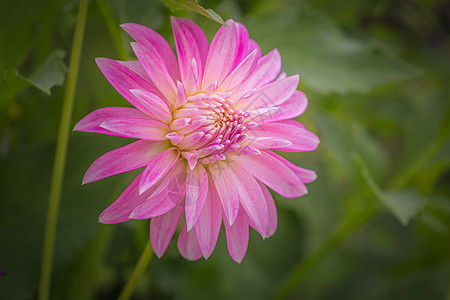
point(206, 125)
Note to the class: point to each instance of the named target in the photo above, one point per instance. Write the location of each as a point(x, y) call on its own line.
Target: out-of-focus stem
point(137, 273)
point(60, 155)
point(113, 28)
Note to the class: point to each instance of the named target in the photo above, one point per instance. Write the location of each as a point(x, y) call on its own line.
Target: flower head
point(206, 123)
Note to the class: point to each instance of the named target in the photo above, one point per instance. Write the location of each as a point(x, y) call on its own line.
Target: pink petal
point(260, 114)
point(273, 173)
point(175, 138)
point(146, 129)
point(305, 175)
point(154, 40)
point(261, 143)
point(252, 198)
point(291, 108)
point(242, 40)
point(266, 71)
point(127, 158)
point(121, 208)
point(191, 158)
point(158, 168)
point(221, 55)
point(91, 123)
point(301, 139)
point(237, 236)
point(209, 222)
point(248, 150)
point(272, 94)
point(181, 95)
point(193, 140)
point(225, 185)
point(196, 192)
point(171, 190)
point(188, 244)
point(240, 73)
point(136, 67)
point(282, 76)
point(156, 69)
point(152, 105)
point(252, 45)
point(124, 79)
point(162, 229)
point(273, 219)
point(180, 123)
point(191, 44)
point(186, 112)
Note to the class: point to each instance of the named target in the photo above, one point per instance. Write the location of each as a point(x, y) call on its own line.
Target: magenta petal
point(273, 218)
point(261, 143)
point(273, 173)
point(291, 108)
point(121, 208)
point(272, 94)
point(191, 157)
point(162, 229)
point(156, 70)
point(305, 175)
point(136, 67)
point(146, 129)
point(171, 190)
point(175, 138)
point(91, 123)
point(127, 158)
point(225, 185)
point(301, 139)
point(152, 39)
point(252, 45)
point(152, 105)
point(158, 168)
point(196, 192)
point(209, 222)
point(181, 95)
point(237, 236)
point(240, 73)
point(252, 199)
point(191, 44)
point(242, 40)
point(188, 244)
point(266, 71)
point(124, 79)
point(221, 55)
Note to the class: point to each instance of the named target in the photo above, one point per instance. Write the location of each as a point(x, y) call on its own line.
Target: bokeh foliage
point(376, 223)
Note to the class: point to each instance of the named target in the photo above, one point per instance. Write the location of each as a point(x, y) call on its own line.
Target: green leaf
point(404, 204)
point(193, 5)
point(50, 73)
point(328, 60)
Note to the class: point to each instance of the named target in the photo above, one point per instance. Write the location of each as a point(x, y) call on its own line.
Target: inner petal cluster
point(208, 127)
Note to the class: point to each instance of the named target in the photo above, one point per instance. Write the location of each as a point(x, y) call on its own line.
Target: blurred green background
point(376, 223)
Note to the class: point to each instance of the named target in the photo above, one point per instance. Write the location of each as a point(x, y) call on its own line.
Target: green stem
point(137, 273)
point(60, 155)
point(113, 28)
